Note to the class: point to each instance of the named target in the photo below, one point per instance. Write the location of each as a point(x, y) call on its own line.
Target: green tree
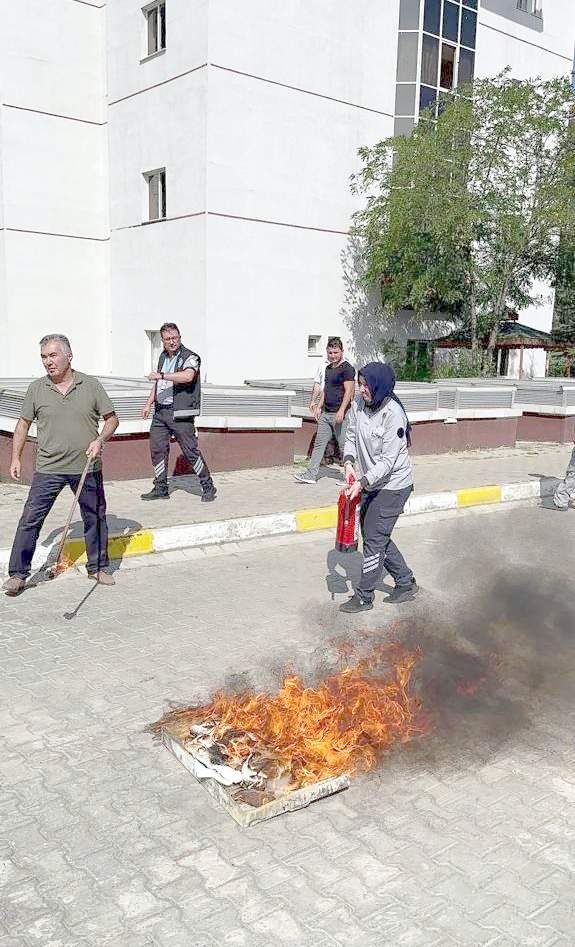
point(465, 214)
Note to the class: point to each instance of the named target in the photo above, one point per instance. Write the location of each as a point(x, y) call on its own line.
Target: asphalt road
point(463, 837)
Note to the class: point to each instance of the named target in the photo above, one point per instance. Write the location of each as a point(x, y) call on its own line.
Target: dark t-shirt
point(334, 378)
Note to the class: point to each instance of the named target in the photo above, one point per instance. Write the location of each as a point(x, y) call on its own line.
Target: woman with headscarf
point(376, 452)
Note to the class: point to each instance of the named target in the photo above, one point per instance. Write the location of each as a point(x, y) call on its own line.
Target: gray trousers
point(566, 488)
point(326, 428)
point(379, 513)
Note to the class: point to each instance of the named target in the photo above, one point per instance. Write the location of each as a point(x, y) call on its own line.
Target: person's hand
point(15, 469)
point(353, 490)
point(154, 376)
point(94, 449)
point(316, 411)
point(348, 472)
point(146, 411)
point(340, 417)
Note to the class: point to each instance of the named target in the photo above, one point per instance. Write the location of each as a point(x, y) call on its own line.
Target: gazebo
point(513, 337)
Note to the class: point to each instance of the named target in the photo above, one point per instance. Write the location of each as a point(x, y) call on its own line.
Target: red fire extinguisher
point(347, 531)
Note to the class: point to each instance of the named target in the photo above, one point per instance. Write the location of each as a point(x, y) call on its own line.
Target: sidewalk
point(272, 491)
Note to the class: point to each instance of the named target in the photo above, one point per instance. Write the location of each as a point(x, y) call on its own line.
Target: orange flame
point(343, 725)
point(62, 565)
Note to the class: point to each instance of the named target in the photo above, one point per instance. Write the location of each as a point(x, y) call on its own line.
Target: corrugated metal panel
point(129, 396)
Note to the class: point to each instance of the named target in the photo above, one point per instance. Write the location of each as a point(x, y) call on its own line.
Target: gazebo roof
point(511, 335)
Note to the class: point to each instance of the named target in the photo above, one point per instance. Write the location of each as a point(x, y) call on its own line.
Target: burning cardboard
point(260, 754)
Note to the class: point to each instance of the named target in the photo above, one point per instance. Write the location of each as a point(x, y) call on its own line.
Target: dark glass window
point(468, 28)
point(432, 16)
point(429, 60)
point(427, 97)
point(447, 68)
point(466, 66)
point(470, 3)
point(450, 21)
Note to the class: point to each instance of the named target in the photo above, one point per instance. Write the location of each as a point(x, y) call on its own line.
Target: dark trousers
point(379, 512)
point(163, 426)
point(44, 489)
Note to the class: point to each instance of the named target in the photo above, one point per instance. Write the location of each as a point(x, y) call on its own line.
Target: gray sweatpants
point(566, 488)
point(326, 428)
point(379, 512)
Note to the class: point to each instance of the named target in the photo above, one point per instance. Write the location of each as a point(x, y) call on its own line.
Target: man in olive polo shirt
point(67, 406)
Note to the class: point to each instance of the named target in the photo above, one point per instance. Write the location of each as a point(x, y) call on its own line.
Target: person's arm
point(94, 449)
point(350, 447)
point(150, 402)
point(316, 400)
point(183, 377)
point(348, 393)
point(18, 441)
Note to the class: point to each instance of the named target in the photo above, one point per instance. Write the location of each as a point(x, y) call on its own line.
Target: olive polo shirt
point(66, 424)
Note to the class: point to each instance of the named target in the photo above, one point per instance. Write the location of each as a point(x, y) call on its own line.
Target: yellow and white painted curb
point(167, 538)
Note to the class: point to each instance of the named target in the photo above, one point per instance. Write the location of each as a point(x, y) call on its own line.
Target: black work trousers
point(44, 489)
point(163, 427)
point(379, 512)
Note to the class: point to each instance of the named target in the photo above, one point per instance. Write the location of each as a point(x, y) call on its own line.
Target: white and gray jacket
point(376, 443)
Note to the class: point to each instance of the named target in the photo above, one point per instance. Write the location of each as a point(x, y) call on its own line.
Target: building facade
point(189, 160)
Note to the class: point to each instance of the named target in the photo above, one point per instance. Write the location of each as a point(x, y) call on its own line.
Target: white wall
point(55, 187)
point(158, 275)
point(282, 144)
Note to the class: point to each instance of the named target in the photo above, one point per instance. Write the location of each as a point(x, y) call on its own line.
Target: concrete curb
point(163, 539)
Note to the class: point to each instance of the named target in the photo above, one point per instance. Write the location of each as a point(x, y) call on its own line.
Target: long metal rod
point(54, 568)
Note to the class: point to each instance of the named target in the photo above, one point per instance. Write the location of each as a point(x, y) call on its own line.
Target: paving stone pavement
point(465, 837)
point(273, 490)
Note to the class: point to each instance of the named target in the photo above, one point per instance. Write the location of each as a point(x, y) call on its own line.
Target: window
point(432, 16)
point(155, 348)
point(468, 28)
point(447, 69)
point(156, 183)
point(530, 6)
point(155, 15)
point(314, 345)
point(450, 21)
point(466, 66)
point(427, 98)
point(429, 60)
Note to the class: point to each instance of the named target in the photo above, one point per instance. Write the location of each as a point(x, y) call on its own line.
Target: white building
point(238, 121)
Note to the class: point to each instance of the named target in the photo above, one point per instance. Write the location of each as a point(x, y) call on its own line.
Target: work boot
point(356, 604)
point(209, 494)
point(102, 578)
point(14, 585)
point(158, 492)
point(402, 593)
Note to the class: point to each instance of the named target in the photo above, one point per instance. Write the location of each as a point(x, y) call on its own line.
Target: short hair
point(334, 342)
point(169, 325)
point(57, 337)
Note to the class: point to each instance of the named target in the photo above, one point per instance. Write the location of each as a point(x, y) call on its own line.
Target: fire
point(61, 565)
point(341, 726)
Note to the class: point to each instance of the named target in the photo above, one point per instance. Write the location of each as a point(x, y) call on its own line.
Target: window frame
point(149, 177)
point(157, 8)
point(315, 352)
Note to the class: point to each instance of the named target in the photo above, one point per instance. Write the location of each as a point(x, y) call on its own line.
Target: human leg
point(43, 492)
point(185, 433)
point(92, 502)
point(160, 451)
point(566, 488)
point(322, 439)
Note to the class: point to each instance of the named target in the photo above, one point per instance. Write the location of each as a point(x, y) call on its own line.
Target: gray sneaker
point(14, 585)
point(304, 477)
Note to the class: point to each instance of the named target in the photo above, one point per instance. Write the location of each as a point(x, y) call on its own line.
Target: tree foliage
point(465, 214)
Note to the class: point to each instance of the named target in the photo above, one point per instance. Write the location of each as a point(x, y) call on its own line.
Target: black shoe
point(402, 593)
point(156, 493)
point(209, 494)
point(356, 604)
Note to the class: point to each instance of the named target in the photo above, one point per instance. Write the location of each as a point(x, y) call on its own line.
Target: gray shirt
point(376, 442)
